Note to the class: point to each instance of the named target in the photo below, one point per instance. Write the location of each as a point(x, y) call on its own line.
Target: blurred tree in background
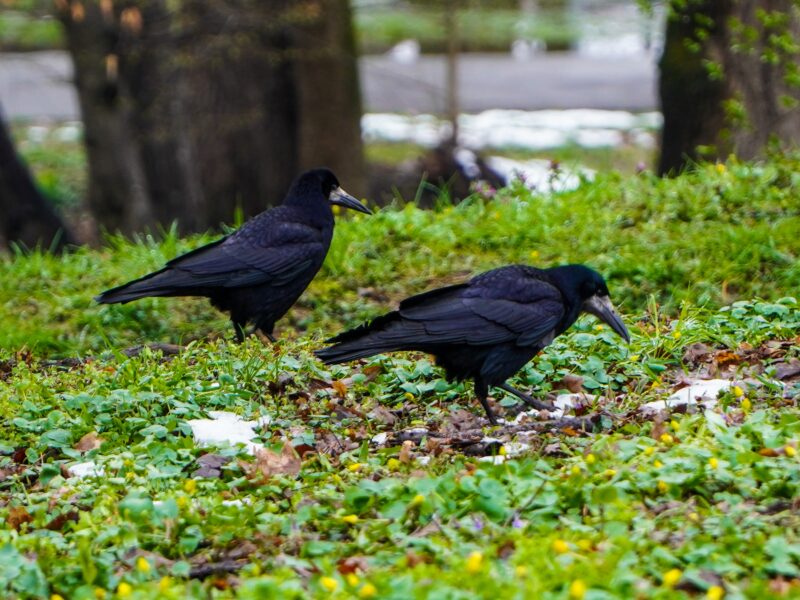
point(195, 108)
point(730, 79)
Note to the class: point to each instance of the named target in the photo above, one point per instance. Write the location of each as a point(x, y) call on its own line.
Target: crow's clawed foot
point(532, 402)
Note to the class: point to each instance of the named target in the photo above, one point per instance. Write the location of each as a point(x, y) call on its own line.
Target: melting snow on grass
point(225, 428)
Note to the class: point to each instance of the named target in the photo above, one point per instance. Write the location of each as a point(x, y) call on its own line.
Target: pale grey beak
point(342, 198)
point(601, 307)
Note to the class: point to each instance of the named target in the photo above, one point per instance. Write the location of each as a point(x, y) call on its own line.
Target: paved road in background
point(38, 85)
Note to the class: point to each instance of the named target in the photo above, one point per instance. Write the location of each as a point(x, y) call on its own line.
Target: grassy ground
point(680, 505)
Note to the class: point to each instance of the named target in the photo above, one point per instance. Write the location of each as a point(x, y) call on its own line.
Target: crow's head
point(327, 182)
point(587, 288)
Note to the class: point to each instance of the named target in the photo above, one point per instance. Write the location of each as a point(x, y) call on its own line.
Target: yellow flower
point(675, 425)
point(713, 462)
point(502, 451)
point(746, 404)
point(720, 167)
point(609, 472)
point(417, 500)
point(790, 451)
point(190, 486)
point(534, 254)
point(99, 593)
point(164, 583)
point(585, 544)
point(329, 583)
point(737, 391)
point(694, 517)
point(590, 459)
point(474, 562)
point(142, 565)
point(633, 357)
point(676, 335)
point(350, 519)
point(671, 577)
point(56, 597)
point(715, 592)
point(663, 486)
point(560, 546)
point(409, 396)
point(182, 501)
point(657, 464)
point(667, 438)
point(575, 470)
point(393, 464)
point(649, 451)
point(130, 475)
point(352, 579)
point(521, 571)
point(354, 467)
point(577, 589)
point(368, 591)
point(124, 590)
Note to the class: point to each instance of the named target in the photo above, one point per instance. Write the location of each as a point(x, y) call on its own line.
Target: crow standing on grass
point(488, 328)
point(257, 272)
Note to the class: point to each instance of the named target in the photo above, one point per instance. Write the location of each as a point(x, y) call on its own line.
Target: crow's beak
point(601, 307)
point(342, 198)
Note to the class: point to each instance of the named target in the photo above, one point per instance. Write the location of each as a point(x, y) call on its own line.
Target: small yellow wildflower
point(663, 486)
point(502, 451)
point(649, 451)
point(350, 519)
point(408, 396)
point(165, 582)
point(676, 335)
point(417, 500)
point(598, 327)
point(657, 464)
point(584, 544)
point(577, 589)
point(393, 464)
point(368, 591)
point(354, 467)
point(591, 459)
point(474, 562)
point(255, 569)
point(715, 592)
point(534, 254)
point(674, 425)
point(352, 579)
point(609, 472)
point(182, 501)
point(190, 486)
point(667, 438)
point(575, 470)
point(560, 546)
point(713, 462)
point(633, 357)
point(329, 583)
point(521, 571)
point(56, 597)
point(130, 475)
point(99, 593)
point(694, 517)
point(737, 391)
point(142, 565)
point(790, 451)
point(720, 167)
point(746, 404)
point(672, 577)
point(124, 590)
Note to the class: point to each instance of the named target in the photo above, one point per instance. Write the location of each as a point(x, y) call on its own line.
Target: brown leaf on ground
point(769, 452)
point(90, 441)
point(17, 515)
point(574, 383)
point(695, 354)
point(352, 564)
point(658, 426)
point(268, 463)
point(787, 370)
point(341, 388)
point(724, 358)
point(406, 454)
point(381, 414)
point(57, 524)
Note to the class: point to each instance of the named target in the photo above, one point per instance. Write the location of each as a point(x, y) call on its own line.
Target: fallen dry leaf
point(574, 383)
point(90, 441)
point(341, 388)
point(406, 455)
point(268, 463)
point(17, 515)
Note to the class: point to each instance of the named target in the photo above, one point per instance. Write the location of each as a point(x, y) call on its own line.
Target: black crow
point(488, 328)
point(257, 272)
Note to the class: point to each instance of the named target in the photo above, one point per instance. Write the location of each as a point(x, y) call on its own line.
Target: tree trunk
point(26, 217)
point(726, 80)
point(212, 105)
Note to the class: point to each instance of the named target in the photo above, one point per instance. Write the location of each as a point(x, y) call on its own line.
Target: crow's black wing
point(484, 312)
point(238, 261)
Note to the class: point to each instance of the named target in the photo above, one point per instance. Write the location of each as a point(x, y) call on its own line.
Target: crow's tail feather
point(384, 334)
point(154, 284)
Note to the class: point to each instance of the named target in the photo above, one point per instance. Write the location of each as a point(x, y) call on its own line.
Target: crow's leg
point(533, 403)
point(239, 331)
point(263, 334)
point(482, 391)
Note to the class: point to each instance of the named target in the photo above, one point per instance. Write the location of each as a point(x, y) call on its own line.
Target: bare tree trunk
point(747, 101)
point(26, 217)
point(212, 105)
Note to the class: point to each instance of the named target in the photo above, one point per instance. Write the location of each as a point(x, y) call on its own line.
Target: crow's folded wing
point(236, 261)
point(524, 311)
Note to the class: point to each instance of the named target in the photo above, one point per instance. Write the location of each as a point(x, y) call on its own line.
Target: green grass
point(641, 507)
point(19, 31)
